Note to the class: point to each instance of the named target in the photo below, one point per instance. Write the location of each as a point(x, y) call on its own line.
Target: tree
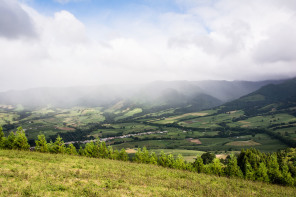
point(274, 173)
point(50, 146)
point(170, 161)
point(252, 156)
point(198, 164)
point(138, 156)
point(216, 167)
point(21, 141)
point(58, 146)
point(261, 173)
point(81, 151)
point(142, 156)
point(249, 172)
point(180, 162)
point(111, 153)
point(116, 154)
point(208, 157)
point(1, 137)
point(41, 144)
point(90, 150)
point(162, 159)
point(153, 158)
point(123, 155)
point(145, 155)
point(71, 150)
point(8, 142)
point(286, 176)
point(232, 169)
point(102, 148)
point(1, 133)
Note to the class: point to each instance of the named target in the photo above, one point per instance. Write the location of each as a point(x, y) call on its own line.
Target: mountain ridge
point(178, 93)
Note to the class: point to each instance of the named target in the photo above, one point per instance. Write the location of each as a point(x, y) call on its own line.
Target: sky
point(62, 43)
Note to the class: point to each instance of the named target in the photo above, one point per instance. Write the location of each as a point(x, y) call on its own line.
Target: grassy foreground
point(39, 174)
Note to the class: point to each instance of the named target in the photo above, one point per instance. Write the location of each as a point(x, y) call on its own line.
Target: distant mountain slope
point(271, 97)
point(230, 90)
point(195, 95)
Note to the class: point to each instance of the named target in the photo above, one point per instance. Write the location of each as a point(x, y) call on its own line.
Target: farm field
point(213, 129)
point(173, 119)
point(40, 174)
point(265, 121)
point(188, 155)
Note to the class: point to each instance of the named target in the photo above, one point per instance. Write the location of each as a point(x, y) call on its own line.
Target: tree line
point(251, 164)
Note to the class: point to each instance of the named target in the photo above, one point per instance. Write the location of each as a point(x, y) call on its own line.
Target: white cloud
point(67, 1)
point(14, 21)
point(222, 39)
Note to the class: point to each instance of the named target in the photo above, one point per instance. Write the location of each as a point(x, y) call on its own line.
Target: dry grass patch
point(66, 128)
point(196, 141)
point(244, 122)
point(221, 156)
point(129, 151)
point(243, 143)
point(188, 114)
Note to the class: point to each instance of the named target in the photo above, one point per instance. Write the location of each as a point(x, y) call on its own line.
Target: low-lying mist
point(155, 93)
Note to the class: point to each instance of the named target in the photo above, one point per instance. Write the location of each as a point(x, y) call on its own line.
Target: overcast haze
point(91, 42)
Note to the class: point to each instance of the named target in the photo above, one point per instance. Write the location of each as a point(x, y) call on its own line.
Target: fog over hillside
point(154, 94)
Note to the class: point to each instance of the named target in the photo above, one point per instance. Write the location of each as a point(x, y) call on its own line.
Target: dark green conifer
point(232, 169)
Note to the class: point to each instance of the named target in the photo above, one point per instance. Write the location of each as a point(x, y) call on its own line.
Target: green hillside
point(270, 98)
point(39, 174)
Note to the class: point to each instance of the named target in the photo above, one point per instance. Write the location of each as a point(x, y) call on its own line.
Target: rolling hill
point(39, 174)
point(270, 98)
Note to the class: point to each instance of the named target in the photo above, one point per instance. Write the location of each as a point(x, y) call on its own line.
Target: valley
point(269, 127)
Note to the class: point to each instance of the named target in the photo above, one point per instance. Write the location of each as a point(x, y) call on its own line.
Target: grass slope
point(37, 174)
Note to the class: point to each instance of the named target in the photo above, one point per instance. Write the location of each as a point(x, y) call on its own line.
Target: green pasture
point(188, 155)
point(264, 121)
point(8, 118)
point(177, 118)
point(129, 113)
point(40, 174)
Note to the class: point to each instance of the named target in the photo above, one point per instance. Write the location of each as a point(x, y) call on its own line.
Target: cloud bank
point(14, 21)
point(219, 39)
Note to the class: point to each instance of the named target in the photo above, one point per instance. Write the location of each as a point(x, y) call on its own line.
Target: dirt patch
point(65, 128)
point(129, 151)
point(243, 143)
point(221, 156)
point(196, 141)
